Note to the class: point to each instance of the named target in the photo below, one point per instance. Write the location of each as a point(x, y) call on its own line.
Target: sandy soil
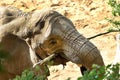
point(89, 18)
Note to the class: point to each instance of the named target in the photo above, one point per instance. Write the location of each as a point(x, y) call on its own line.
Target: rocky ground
point(89, 18)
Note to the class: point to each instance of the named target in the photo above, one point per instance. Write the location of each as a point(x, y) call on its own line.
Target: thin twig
point(41, 61)
point(100, 34)
point(44, 60)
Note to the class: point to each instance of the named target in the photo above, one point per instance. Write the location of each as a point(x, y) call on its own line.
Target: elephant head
point(59, 36)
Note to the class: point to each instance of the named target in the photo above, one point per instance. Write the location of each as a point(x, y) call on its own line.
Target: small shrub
point(28, 74)
point(116, 13)
point(109, 72)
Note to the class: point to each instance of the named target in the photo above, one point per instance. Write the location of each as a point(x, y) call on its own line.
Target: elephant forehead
point(54, 37)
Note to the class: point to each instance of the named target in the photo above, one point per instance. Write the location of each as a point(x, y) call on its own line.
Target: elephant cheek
point(41, 53)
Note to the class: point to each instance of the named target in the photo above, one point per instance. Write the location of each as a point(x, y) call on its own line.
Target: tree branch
point(100, 34)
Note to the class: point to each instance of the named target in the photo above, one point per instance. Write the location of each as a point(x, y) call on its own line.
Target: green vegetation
point(28, 74)
point(110, 72)
point(116, 14)
point(115, 7)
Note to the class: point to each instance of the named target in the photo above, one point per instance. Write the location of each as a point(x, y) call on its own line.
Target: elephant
point(67, 42)
point(30, 37)
point(18, 51)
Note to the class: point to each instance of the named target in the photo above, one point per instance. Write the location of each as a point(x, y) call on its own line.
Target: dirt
point(89, 18)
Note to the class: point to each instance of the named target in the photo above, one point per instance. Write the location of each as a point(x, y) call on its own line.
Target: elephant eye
point(41, 24)
point(53, 42)
point(9, 14)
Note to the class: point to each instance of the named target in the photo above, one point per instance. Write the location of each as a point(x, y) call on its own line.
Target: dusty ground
point(89, 19)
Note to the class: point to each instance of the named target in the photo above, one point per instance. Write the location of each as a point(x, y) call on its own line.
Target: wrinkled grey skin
point(36, 28)
point(76, 47)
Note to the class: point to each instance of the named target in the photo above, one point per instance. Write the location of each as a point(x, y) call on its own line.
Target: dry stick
point(45, 60)
point(53, 55)
point(41, 61)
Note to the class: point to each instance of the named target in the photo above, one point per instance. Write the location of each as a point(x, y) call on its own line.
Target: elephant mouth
point(58, 59)
point(43, 52)
point(52, 45)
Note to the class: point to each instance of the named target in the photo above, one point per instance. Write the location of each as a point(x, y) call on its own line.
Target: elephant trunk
point(80, 50)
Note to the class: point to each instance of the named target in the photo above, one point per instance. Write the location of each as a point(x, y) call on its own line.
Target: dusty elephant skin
point(66, 41)
point(16, 47)
point(46, 32)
